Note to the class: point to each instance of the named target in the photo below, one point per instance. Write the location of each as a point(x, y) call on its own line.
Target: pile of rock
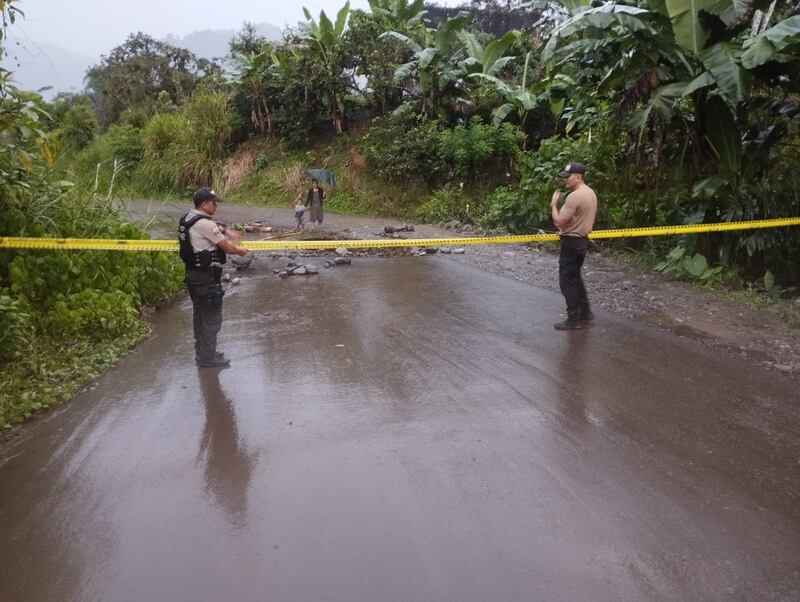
point(342, 258)
point(394, 231)
point(337, 261)
point(294, 269)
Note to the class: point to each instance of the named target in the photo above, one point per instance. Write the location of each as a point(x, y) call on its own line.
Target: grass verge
point(53, 371)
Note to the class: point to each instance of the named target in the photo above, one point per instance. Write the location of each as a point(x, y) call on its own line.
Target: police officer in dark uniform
point(203, 249)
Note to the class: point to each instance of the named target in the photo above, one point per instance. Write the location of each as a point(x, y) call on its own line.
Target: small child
point(299, 210)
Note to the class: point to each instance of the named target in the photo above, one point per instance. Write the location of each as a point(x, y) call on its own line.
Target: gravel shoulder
point(614, 286)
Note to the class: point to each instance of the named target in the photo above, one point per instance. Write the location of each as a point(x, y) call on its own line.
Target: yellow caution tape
point(101, 244)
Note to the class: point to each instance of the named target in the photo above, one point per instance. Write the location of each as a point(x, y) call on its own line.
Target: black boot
point(568, 324)
point(214, 362)
point(586, 314)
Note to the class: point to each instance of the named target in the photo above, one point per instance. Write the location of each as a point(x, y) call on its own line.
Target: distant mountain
point(213, 43)
point(36, 66)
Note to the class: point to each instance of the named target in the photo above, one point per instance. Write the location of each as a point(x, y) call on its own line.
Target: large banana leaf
point(425, 57)
point(341, 20)
point(404, 71)
point(446, 35)
point(494, 52)
point(500, 114)
point(701, 81)
point(471, 44)
point(409, 43)
point(686, 23)
point(602, 17)
point(768, 45)
point(723, 61)
point(327, 38)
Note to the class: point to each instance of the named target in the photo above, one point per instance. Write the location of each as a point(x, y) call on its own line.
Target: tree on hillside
point(434, 75)
point(377, 59)
point(247, 41)
point(253, 70)
point(134, 73)
point(325, 42)
point(78, 126)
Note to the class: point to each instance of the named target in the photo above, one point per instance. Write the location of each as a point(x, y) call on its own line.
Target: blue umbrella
point(323, 176)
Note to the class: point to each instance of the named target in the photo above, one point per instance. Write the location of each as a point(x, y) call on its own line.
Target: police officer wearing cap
point(574, 221)
point(203, 249)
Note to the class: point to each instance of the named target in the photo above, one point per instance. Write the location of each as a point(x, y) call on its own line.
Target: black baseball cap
point(203, 194)
point(571, 168)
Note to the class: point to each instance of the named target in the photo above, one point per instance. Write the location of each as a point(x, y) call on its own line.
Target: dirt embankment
point(613, 285)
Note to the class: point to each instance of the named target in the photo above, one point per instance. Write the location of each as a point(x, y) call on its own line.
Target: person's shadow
point(228, 464)
point(573, 369)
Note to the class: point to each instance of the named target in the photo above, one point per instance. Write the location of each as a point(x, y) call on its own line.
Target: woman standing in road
point(314, 203)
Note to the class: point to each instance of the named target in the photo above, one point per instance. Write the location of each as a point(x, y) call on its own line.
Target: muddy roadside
point(683, 309)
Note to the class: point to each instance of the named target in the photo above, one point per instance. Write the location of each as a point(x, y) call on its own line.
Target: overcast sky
point(93, 27)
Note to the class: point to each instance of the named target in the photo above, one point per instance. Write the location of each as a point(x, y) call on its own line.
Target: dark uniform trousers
point(570, 261)
point(206, 293)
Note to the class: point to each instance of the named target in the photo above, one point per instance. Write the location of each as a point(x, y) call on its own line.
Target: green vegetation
point(65, 315)
point(682, 115)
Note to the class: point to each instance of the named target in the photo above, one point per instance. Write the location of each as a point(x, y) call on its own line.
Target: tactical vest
point(203, 259)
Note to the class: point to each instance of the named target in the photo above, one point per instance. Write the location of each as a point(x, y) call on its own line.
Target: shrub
point(15, 327)
point(119, 148)
point(444, 205)
point(78, 127)
point(92, 313)
point(162, 138)
point(400, 149)
point(527, 208)
point(261, 162)
point(473, 147)
point(516, 211)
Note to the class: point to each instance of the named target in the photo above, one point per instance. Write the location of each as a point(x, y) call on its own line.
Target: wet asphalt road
point(410, 430)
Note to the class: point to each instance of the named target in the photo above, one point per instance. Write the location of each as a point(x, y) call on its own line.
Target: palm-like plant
point(323, 39)
point(253, 71)
point(435, 68)
point(400, 11)
point(664, 54)
point(485, 61)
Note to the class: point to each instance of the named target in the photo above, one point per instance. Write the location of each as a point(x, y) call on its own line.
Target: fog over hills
point(37, 65)
point(213, 43)
point(41, 65)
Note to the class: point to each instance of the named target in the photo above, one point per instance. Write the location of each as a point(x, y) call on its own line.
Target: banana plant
point(323, 39)
point(727, 65)
point(435, 65)
point(676, 57)
point(400, 11)
point(517, 96)
point(253, 69)
point(489, 60)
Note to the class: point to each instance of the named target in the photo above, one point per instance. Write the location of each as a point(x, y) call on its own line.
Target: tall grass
point(172, 152)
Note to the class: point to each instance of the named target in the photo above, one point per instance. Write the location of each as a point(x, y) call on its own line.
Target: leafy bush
point(162, 137)
point(399, 149)
point(517, 211)
point(527, 209)
point(472, 147)
point(444, 205)
point(682, 264)
point(92, 313)
point(78, 127)
point(15, 327)
point(108, 155)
